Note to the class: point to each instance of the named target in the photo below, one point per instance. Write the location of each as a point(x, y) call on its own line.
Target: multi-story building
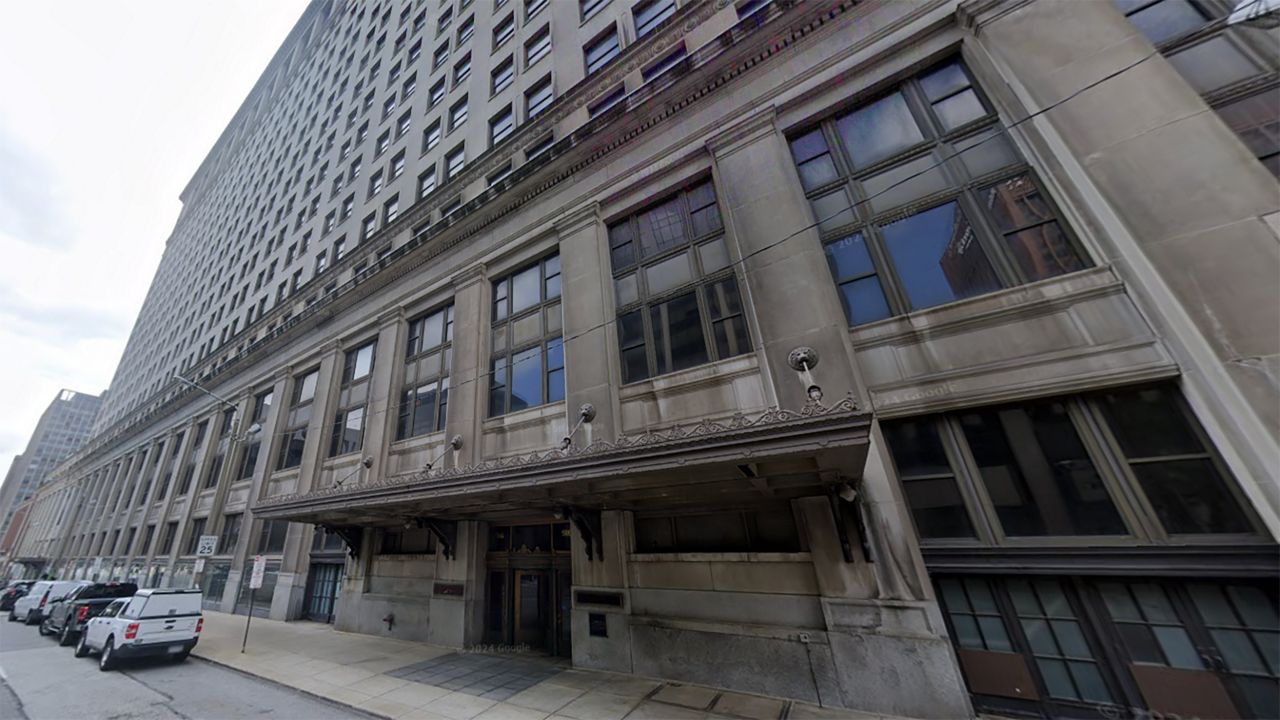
point(63, 428)
point(918, 358)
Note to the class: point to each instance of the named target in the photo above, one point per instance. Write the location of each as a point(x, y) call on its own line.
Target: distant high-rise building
point(62, 429)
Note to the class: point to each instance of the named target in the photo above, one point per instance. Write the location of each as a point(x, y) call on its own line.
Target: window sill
point(417, 442)
point(528, 415)
point(753, 557)
point(712, 372)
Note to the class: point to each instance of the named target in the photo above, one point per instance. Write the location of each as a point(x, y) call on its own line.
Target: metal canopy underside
point(779, 454)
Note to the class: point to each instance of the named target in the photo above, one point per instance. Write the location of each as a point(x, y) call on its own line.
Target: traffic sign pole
point(255, 582)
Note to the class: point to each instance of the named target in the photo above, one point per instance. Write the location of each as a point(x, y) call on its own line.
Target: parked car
point(151, 623)
point(13, 591)
point(32, 606)
point(67, 617)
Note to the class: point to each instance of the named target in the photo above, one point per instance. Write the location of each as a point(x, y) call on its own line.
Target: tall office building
point(62, 429)
point(912, 357)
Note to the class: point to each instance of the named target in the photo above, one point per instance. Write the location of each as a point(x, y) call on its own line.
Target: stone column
point(469, 381)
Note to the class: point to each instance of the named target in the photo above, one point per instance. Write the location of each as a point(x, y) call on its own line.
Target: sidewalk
point(415, 681)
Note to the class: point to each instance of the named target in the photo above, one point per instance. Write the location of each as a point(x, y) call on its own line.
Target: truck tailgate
point(172, 628)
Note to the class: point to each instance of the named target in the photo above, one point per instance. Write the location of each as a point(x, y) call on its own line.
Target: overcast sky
point(106, 110)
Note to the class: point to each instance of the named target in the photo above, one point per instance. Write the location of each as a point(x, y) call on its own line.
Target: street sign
point(207, 545)
point(259, 568)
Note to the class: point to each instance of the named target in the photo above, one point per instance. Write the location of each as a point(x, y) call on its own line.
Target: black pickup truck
point(66, 618)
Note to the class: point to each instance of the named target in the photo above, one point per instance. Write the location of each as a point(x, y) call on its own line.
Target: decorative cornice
point(740, 427)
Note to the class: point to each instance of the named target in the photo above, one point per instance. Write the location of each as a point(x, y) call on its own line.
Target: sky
point(106, 111)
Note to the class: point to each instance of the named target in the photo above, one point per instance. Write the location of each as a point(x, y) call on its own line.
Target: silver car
point(32, 606)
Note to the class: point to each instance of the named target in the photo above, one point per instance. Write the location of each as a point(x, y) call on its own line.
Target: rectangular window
point(668, 61)
point(527, 353)
point(193, 535)
point(502, 76)
point(466, 29)
point(503, 31)
point(391, 209)
point(437, 94)
point(587, 8)
point(295, 433)
point(428, 356)
point(403, 124)
point(1066, 467)
point(261, 407)
point(600, 51)
point(608, 101)
point(677, 298)
point(540, 146)
point(537, 47)
point(500, 126)
point(458, 114)
point(397, 165)
point(427, 182)
point(347, 434)
point(431, 136)
point(533, 7)
point(166, 543)
point(538, 98)
point(462, 70)
point(650, 15)
point(455, 161)
point(271, 536)
point(375, 183)
point(921, 236)
point(230, 533)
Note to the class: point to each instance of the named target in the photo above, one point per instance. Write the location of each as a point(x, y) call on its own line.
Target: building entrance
point(529, 580)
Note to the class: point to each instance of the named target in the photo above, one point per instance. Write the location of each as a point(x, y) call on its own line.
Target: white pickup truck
point(152, 622)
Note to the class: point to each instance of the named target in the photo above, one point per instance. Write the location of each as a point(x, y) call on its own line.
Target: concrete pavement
point(414, 681)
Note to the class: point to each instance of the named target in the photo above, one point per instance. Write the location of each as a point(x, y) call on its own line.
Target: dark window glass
point(1163, 19)
point(1178, 475)
point(813, 160)
point(1256, 120)
point(526, 378)
point(1037, 473)
point(927, 479)
point(860, 290)
point(938, 257)
point(678, 337)
point(635, 360)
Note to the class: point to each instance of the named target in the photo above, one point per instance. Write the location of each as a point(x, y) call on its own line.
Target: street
point(40, 680)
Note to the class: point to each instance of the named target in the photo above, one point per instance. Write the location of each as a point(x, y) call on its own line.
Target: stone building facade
point(915, 358)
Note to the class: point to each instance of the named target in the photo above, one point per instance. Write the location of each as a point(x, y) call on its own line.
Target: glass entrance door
point(528, 584)
point(322, 591)
point(532, 607)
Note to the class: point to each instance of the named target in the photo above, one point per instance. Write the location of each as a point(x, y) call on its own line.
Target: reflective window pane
point(669, 274)
point(661, 228)
point(526, 379)
point(1213, 64)
point(832, 210)
point(1256, 120)
point(1167, 19)
point(959, 109)
point(937, 507)
point(938, 257)
point(916, 447)
point(1148, 423)
point(985, 152)
point(904, 183)
point(879, 130)
point(526, 289)
point(848, 257)
point(944, 81)
point(864, 301)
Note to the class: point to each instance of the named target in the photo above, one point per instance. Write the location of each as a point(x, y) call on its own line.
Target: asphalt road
point(41, 681)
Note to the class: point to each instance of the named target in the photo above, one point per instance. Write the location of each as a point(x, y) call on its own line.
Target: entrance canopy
point(778, 454)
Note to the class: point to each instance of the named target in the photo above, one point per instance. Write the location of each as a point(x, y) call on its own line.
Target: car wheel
point(181, 656)
point(44, 628)
point(32, 619)
point(82, 647)
point(108, 659)
point(12, 617)
point(64, 638)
